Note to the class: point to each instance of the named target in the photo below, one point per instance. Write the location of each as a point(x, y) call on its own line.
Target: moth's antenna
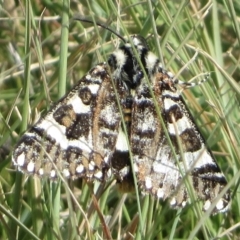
point(192, 84)
point(83, 19)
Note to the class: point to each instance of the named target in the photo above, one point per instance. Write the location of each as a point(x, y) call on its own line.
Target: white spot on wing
point(160, 193)
point(220, 205)
point(207, 205)
point(135, 167)
point(181, 125)
point(124, 171)
point(170, 93)
point(78, 106)
point(80, 168)
point(88, 77)
point(148, 182)
point(52, 173)
point(20, 160)
point(54, 130)
point(108, 114)
point(121, 144)
point(30, 166)
point(91, 166)
point(98, 175)
point(170, 74)
point(109, 173)
point(168, 103)
point(149, 124)
point(199, 158)
point(184, 203)
point(41, 171)
point(66, 172)
point(57, 132)
point(82, 143)
point(93, 88)
point(173, 202)
point(164, 166)
point(106, 159)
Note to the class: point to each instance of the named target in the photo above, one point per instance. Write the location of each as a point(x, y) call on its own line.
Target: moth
point(82, 136)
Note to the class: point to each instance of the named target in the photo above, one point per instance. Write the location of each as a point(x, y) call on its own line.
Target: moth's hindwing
point(78, 135)
point(157, 169)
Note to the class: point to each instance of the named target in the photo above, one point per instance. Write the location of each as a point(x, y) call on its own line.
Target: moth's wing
point(78, 135)
point(154, 163)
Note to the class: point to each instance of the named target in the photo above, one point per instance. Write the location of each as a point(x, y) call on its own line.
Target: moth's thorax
point(125, 61)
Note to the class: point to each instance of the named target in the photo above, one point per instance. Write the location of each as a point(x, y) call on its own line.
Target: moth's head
point(128, 63)
point(139, 43)
point(124, 62)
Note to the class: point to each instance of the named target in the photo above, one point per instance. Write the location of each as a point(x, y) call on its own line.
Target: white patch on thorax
point(151, 60)
point(120, 57)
